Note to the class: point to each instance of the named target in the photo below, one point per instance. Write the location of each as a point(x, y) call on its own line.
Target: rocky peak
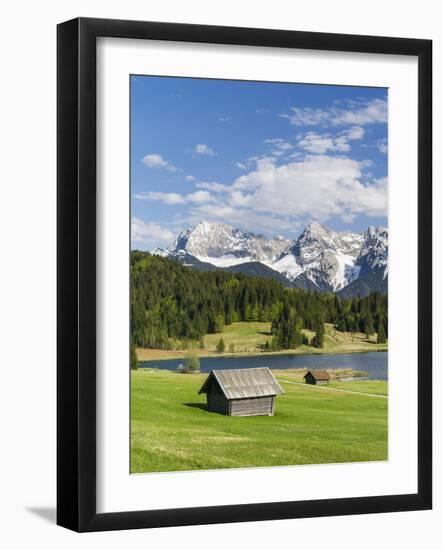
point(218, 240)
point(374, 251)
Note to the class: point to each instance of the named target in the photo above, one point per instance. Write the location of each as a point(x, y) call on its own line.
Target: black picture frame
point(76, 265)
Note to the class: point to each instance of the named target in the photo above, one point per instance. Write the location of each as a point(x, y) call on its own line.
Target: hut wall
point(322, 382)
point(310, 379)
point(253, 406)
point(217, 403)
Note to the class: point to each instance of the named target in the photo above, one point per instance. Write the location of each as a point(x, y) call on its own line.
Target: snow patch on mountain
point(227, 260)
point(287, 265)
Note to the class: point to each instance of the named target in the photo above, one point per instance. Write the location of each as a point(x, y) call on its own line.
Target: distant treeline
point(170, 301)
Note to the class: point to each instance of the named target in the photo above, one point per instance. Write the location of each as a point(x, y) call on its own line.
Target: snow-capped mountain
point(320, 258)
point(224, 245)
point(325, 257)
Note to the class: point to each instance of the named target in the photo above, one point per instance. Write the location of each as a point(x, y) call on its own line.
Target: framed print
point(244, 274)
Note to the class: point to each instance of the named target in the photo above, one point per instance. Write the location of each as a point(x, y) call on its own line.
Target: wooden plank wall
point(252, 406)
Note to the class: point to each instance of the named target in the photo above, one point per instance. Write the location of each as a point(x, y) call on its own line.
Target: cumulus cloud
point(319, 186)
point(149, 233)
point(356, 113)
point(202, 149)
point(190, 178)
point(155, 160)
point(276, 197)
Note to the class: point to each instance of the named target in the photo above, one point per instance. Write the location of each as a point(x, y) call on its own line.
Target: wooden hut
point(318, 377)
point(241, 392)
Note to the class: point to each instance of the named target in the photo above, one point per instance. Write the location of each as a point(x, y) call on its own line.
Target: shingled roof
point(318, 374)
point(244, 383)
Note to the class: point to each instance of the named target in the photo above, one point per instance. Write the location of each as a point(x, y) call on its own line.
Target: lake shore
point(248, 338)
point(145, 354)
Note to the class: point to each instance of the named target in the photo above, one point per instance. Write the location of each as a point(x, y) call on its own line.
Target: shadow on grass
point(201, 406)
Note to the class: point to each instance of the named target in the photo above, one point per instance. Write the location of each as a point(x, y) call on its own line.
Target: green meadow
point(171, 429)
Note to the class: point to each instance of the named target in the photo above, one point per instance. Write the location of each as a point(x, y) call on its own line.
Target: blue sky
point(269, 157)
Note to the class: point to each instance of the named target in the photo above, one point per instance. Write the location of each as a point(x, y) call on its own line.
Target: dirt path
point(334, 389)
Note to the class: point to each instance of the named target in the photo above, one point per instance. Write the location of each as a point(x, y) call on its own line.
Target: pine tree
point(381, 336)
point(341, 325)
point(368, 325)
point(318, 340)
point(221, 346)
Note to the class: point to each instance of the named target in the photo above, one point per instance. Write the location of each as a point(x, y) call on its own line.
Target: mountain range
point(320, 259)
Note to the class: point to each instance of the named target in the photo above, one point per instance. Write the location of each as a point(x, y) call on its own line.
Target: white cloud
point(314, 142)
point(265, 161)
point(175, 198)
point(240, 165)
point(382, 146)
point(322, 143)
point(243, 217)
point(357, 113)
point(199, 196)
point(319, 187)
point(213, 186)
point(167, 198)
point(356, 132)
point(190, 178)
point(155, 160)
point(223, 119)
point(274, 197)
point(280, 146)
point(149, 233)
point(202, 149)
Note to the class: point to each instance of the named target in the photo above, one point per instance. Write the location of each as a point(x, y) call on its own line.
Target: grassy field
point(172, 430)
point(248, 337)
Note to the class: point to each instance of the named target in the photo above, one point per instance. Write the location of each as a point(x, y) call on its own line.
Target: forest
point(172, 302)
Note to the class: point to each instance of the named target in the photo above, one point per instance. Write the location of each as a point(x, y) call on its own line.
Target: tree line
point(172, 302)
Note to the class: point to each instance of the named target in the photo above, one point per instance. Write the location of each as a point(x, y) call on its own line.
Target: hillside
point(170, 303)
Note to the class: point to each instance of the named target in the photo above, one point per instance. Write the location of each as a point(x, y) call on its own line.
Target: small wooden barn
point(241, 392)
point(318, 377)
